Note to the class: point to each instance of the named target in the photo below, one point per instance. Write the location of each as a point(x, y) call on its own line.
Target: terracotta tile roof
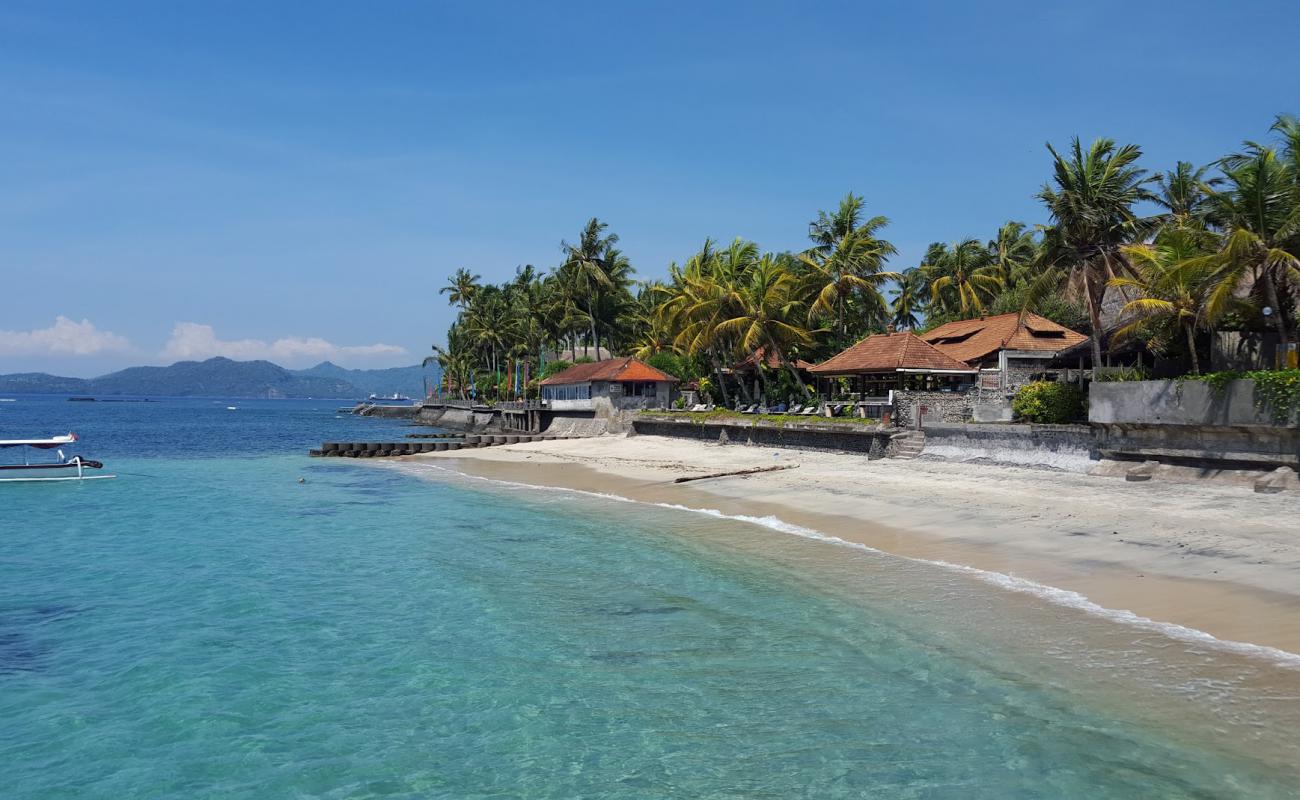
point(889, 352)
point(973, 339)
point(611, 369)
point(768, 359)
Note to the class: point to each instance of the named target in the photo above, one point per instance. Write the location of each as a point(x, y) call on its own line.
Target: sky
point(295, 181)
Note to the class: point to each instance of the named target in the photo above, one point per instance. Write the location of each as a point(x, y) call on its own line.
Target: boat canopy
point(42, 444)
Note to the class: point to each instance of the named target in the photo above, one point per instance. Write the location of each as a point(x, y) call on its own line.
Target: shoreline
point(1213, 560)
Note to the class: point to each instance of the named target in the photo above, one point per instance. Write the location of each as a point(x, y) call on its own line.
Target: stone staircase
point(907, 445)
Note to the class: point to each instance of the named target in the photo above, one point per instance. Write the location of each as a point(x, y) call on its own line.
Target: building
point(746, 372)
point(1008, 350)
point(889, 362)
point(615, 384)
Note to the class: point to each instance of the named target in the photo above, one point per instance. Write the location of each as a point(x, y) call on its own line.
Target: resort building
point(615, 384)
point(1008, 351)
point(887, 362)
point(746, 372)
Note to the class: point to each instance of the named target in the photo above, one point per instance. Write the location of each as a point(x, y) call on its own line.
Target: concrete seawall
point(872, 441)
point(1064, 447)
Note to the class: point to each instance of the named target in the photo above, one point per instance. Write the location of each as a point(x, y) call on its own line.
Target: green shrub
point(1277, 391)
point(1048, 402)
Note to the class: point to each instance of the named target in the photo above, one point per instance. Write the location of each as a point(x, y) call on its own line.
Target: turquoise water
point(207, 626)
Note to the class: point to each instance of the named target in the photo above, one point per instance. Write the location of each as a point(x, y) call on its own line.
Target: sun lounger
point(810, 410)
point(792, 410)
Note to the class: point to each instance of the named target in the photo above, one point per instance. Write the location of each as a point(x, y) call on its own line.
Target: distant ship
point(393, 398)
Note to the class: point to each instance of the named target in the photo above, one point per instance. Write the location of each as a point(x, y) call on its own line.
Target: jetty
point(415, 444)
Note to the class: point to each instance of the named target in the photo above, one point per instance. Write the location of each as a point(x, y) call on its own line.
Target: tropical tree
point(767, 302)
point(1260, 210)
point(1013, 252)
point(1184, 192)
point(1172, 281)
point(846, 262)
point(1091, 199)
point(910, 295)
point(962, 276)
point(461, 287)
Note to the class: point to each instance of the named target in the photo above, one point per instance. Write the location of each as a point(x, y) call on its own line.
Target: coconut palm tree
point(461, 287)
point(768, 310)
point(846, 261)
point(1172, 281)
point(1260, 210)
point(1013, 252)
point(1091, 199)
point(963, 276)
point(590, 269)
point(909, 299)
point(1184, 192)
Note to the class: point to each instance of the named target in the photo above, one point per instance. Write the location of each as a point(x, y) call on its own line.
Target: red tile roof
point(611, 369)
point(889, 352)
point(973, 339)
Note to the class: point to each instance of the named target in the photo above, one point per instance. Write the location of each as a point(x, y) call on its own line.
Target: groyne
point(416, 444)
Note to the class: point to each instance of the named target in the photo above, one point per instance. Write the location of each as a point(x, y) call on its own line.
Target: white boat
point(62, 468)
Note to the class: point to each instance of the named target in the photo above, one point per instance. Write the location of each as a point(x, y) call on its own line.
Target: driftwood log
point(752, 471)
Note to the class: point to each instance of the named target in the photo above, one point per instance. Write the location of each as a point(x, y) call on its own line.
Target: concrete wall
point(869, 440)
point(1063, 447)
point(1175, 403)
point(1189, 422)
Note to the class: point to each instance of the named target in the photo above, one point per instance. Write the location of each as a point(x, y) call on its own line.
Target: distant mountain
point(222, 377)
point(394, 380)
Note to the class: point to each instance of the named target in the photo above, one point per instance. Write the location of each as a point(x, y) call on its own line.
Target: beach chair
point(810, 410)
point(697, 407)
point(793, 410)
point(749, 409)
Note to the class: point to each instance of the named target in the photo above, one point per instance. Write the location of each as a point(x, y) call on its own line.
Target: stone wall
point(942, 407)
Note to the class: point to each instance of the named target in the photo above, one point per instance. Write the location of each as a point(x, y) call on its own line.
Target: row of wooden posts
point(423, 443)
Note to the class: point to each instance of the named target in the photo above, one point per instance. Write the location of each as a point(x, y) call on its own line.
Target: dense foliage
point(1048, 402)
point(1162, 258)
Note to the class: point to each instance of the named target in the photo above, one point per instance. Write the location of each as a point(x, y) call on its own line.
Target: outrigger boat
point(62, 469)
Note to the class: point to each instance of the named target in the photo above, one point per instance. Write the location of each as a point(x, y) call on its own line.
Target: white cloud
point(191, 341)
point(63, 338)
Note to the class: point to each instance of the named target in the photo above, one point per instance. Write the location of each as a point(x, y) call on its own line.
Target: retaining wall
point(869, 440)
point(1064, 447)
point(1189, 421)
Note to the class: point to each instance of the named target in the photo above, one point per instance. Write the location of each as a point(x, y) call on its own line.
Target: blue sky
point(296, 180)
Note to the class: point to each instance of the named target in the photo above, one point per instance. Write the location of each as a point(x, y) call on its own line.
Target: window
point(569, 391)
point(638, 389)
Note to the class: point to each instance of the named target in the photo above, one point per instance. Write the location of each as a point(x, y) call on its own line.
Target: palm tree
point(1260, 211)
point(1172, 281)
point(1091, 199)
point(846, 261)
point(1184, 192)
point(592, 266)
point(768, 302)
point(962, 276)
point(909, 298)
point(461, 287)
point(1013, 252)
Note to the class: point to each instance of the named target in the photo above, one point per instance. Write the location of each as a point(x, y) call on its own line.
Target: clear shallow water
point(206, 626)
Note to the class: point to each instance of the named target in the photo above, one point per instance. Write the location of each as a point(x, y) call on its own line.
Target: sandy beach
point(1214, 558)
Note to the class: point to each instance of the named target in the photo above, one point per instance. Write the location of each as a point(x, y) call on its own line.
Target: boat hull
point(30, 473)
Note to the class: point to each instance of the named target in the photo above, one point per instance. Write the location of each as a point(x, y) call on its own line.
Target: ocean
point(230, 618)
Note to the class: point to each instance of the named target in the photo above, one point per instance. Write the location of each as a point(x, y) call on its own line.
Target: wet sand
point(1217, 559)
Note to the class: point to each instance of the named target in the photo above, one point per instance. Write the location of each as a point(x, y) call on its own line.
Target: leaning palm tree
point(461, 288)
point(963, 276)
point(1172, 281)
point(1091, 200)
point(846, 261)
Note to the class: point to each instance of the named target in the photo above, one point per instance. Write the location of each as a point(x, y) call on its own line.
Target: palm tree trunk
point(1094, 316)
point(1270, 291)
point(794, 373)
point(1191, 348)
